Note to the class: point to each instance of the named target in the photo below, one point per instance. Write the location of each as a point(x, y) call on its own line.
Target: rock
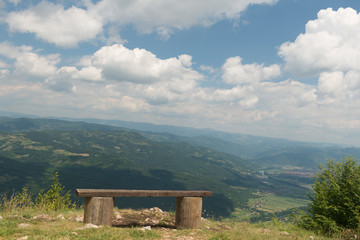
point(146, 228)
point(23, 238)
point(204, 219)
point(118, 216)
point(311, 237)
point(43, 217)
point(24, 225)
point(227, 227)
point(89, 225)
point(79, 218)
point(1, 217)
point(156, 209)
point(284, 233)
point(61, 217)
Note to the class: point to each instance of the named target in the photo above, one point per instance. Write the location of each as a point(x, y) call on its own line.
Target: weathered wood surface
point(188, 212)
point(99, 210)
point(139, 193)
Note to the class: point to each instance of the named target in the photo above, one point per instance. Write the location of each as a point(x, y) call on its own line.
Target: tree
point(335, 203)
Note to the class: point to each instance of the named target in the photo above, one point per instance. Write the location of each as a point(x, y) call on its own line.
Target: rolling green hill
point(99, 156)
point(112, 158)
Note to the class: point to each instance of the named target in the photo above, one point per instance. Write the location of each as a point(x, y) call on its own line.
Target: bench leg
point(188, 212)
point(99, 210)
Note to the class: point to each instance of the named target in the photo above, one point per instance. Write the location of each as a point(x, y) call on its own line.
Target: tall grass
point(52, 200)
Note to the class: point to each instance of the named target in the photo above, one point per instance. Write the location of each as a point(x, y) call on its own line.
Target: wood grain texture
point(188, 212)
point(99, 210)
point(139, 193)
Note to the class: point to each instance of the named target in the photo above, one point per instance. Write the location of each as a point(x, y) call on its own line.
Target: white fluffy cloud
point(330, 43)
point(67, 27)
point(237, 73)
point(165, 16)
point(52, 23)
point(339, 86)
point(29, 63)
point(119, 63)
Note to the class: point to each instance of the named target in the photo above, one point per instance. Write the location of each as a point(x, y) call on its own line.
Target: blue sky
point(278, 68)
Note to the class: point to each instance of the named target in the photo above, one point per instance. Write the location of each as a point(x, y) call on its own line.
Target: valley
point(90, 155)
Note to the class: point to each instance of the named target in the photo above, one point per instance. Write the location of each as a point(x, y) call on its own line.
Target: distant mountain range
point(90, 153)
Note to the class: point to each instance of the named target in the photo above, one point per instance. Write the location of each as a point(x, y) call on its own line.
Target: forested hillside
point(90, 155)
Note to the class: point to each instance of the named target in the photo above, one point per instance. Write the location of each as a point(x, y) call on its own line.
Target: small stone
point(61, 217)
point(22, 238)
point(118, 216)
point(311, 237)
point(89, 225)
point(156, 209)
point(24, 225)
point(284, 233)
point(43, 217)
point(1, 218)
point(227, 227)
point(79, 218)
point(147, 228)
point(204, 219)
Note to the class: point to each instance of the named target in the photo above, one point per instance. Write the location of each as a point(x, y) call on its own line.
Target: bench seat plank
point(139, 193)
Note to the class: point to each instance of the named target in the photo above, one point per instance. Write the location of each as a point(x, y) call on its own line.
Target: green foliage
point(335, 204)
point(53, 198)
point(17, 200)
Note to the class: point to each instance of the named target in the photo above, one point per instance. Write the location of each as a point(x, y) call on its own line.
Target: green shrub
point(335, 204)
point(17, 200)
point(53, 198)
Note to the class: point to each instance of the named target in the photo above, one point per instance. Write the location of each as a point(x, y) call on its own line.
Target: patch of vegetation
point(53, 200)
point(334, 205)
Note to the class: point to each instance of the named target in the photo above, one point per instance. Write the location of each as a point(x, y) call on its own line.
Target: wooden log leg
point(99, 210)
point(188, 212)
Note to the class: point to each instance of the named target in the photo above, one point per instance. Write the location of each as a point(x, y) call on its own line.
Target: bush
point(53, 198)
point(335, 204)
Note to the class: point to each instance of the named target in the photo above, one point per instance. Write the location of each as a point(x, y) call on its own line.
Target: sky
point(277, 68)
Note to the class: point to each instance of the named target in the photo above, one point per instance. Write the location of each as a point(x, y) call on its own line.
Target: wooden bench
point(99, 204)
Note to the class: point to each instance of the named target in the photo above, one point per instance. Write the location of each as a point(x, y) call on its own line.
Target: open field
point(273, 203)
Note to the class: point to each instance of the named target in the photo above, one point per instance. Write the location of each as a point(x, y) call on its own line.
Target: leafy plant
point(53, 199)
point(335, 204)
point(17, 200)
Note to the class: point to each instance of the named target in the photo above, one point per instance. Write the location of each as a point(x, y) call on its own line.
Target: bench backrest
point(139, 193)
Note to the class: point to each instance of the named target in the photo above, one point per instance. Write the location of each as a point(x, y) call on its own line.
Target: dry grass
point(31, 224)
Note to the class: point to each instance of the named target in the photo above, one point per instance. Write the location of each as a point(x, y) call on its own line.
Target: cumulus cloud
point(119, 63)
point(237, 73)
point(339, 86)
point(28, 62)
point(52, 23)
point(62, 80)
point(330, 43)
point(164, 17)
point(67, 27)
